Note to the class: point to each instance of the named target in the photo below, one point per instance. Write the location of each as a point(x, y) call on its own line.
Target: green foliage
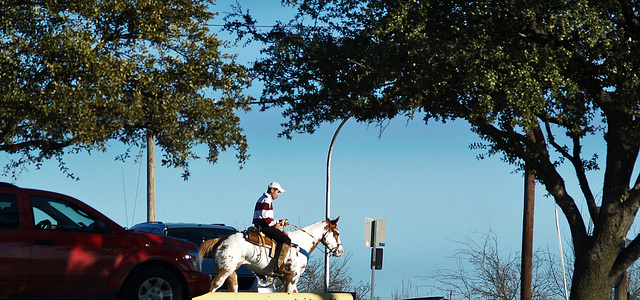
point(534, 79)
point(503, 63)
point(75, 75)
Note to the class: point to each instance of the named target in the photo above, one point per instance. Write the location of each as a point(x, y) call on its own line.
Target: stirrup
point(263, 277)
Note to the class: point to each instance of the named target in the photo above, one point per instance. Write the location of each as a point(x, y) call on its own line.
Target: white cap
point(275, 185)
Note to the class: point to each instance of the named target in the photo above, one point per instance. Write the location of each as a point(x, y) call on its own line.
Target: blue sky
point(424, 180)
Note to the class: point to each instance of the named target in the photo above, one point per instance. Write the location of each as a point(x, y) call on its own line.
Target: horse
point(232, 251)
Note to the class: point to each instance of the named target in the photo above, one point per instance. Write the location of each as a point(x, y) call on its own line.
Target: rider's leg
point(281, 238)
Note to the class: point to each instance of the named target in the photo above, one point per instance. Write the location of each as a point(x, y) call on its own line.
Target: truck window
point(57, 214)
point(8, 211)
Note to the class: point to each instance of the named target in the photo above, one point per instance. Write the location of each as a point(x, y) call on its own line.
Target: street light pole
point(328, 207)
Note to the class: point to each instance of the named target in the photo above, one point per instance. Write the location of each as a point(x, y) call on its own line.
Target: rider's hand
point(284, 222)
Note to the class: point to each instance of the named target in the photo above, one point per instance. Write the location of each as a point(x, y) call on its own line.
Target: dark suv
point(198, 233)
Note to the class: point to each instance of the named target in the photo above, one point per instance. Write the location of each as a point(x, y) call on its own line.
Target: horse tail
point(207, 246)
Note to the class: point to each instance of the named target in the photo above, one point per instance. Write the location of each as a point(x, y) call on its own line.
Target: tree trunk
point(587, 281)
point(592, 278)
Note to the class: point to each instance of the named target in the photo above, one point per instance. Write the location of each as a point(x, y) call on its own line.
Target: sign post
point(374, 230)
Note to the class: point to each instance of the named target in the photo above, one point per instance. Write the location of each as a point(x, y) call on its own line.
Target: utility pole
point(151, 177)
point(621, 288)
point(527, 233)
point(620, 291)
point(527, 225)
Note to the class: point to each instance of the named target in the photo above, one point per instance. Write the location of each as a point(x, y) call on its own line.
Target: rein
point(302, 229)
point(313, 237)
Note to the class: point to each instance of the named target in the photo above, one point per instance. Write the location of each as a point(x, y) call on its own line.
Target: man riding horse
point(263, 220)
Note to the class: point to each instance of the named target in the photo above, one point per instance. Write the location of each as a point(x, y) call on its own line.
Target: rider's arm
point(279, 224)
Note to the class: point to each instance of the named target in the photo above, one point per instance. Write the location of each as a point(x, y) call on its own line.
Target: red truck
point(55, 246)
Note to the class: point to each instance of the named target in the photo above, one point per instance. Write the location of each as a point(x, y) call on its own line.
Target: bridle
point(314, 238)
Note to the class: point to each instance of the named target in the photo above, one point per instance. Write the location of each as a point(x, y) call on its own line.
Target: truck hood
point(154, 240)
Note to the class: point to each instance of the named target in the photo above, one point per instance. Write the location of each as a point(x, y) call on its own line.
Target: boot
point(280, 269)
point(284, 250)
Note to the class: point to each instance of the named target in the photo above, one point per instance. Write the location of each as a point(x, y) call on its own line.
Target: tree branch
point(49, 146)
point(554, 183)
point(509, 141)
point(578, 166)
point(626, 258)
point(632, 24)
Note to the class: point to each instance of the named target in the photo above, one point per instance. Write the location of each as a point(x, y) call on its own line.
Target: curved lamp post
point(328, 211)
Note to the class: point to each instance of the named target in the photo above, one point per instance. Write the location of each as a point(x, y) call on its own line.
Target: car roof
point(170, 225)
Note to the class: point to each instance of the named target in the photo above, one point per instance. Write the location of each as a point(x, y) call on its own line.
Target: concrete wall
point(274, 296)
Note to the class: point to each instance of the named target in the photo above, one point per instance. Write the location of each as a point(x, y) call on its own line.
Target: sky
point(424, 180)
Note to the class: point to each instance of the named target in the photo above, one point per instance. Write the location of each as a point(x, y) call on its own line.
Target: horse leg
point(291, 283)
point(232, 282)
point(221, 276)
point(216, 283)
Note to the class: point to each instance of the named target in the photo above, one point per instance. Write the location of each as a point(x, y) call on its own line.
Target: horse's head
point(331, 237)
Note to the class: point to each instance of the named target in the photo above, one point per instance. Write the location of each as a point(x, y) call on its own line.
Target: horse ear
point(336, 220)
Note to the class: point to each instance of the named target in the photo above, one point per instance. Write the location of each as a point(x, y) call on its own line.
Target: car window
point(58, 214)
point(198, 235)
point(148, 229)
point(8, 211)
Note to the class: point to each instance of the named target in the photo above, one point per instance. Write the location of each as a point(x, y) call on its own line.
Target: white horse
point(232, 251)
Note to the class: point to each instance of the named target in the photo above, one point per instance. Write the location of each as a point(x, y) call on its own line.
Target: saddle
point(252, 235)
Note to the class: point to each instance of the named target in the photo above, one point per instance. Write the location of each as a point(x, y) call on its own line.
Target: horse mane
point(329, 225)
point(207, 246)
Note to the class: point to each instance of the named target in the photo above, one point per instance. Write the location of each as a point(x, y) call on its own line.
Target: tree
point(75, 75)
point(486, 270)
point(544, 76)
point(311, 281)
point(406, 291)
